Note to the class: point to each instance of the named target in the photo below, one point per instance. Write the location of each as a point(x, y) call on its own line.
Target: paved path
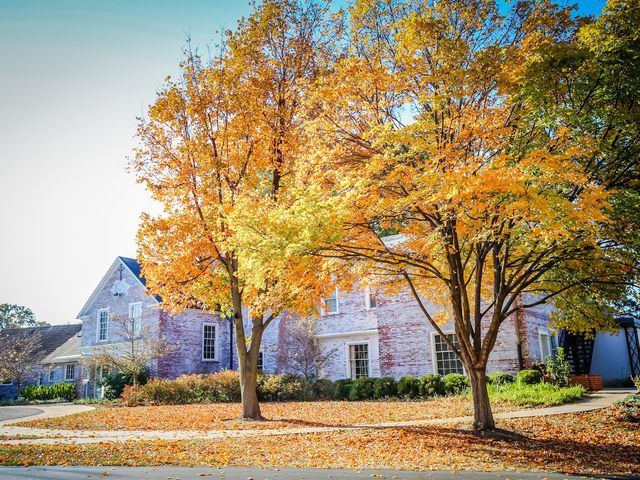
point(594, 401)
point(242, 473)
point(42, 411)
point(14, 413)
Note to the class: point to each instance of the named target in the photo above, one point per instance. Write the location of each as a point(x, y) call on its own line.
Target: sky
point(74, 75)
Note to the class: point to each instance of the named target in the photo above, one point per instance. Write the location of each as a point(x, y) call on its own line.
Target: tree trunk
point(482, 414)
point(248, 381)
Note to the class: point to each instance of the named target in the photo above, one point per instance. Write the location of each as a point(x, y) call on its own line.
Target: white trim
point(216, 343)
point(136, 331)
point(368, 293)
point(104, 280)
point(361, 342)
point(324, 301)
point(434, 357)
point(347, 334)
point(548, 332)
point(66, 371)
point(64, 358)
point(106, 338)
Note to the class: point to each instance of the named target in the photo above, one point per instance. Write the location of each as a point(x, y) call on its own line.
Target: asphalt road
point(241, 473)
point(13, 413)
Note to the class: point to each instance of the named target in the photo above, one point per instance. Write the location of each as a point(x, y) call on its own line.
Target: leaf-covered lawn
point(224, 416)
point(594, 442)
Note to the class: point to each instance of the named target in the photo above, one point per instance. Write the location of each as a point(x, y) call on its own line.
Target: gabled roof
point(51, 336)
point(132, 265)
point(69, 351)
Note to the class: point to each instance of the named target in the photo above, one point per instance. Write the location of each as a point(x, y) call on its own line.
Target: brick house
point(367, 333)
point(197, 336)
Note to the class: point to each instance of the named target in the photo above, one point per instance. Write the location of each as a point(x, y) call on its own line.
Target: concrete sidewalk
point(243, 473)
point(594, 401)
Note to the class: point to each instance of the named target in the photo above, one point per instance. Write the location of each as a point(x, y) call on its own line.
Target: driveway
point(13, 413)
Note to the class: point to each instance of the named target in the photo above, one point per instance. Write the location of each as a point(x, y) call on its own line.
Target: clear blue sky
point(73, 77)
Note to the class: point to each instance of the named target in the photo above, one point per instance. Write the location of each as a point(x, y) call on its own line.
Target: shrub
point(455, 383)
point(431, 385)
point(324, 389)
point(114, 382)
point(64, 391)
point(529, 377)
point(384, 387)
point(408, 387)
point(278, 388)
point(343, 389)
point(536, 395)
point(498, 378)
point(636, 382)
point(559, 369)
point(362, 389)
point(629, 408)
point(227, 385)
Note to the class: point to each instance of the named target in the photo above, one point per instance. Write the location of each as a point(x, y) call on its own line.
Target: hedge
point(64, 391)
point(225, 387)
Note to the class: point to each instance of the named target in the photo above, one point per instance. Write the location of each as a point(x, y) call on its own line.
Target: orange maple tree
point(424, 134)
point(219, 149)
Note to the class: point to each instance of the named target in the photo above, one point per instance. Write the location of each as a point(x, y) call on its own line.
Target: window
point(370, 300)
point(52, 375)
point(260, 361)
point(445, 358)
point(5, 381)
point(548, 344)
point(103, 324)
point(331, 303)
point(209, 342)
point(135, 316)
point(70, 372)
point(359, 360)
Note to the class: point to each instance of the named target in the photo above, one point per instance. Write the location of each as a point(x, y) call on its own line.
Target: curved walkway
point(29, 435)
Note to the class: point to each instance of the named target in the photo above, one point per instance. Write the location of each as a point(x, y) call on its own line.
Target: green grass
point(538, 395)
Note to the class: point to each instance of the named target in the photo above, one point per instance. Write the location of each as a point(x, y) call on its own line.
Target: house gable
point(126, 270)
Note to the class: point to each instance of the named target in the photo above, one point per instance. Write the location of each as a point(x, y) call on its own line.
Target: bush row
point(66, 391)
point(225, 387)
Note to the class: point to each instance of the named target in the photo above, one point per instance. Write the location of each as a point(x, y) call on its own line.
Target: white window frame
point(52, 375)
point(137, 326)
point(542, 331)
point(261, 361)
point(66, 372)
point(361, 342)
point(368, 293)
point(337, 310)
point(216, 342)
point(434, 356)
point(98, 325)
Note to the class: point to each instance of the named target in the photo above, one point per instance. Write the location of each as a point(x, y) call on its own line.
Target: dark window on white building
point(209, 342)
point(359, 360)
point(445, 358)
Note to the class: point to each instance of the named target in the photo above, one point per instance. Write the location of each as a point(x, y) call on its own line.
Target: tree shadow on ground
point(563, 455)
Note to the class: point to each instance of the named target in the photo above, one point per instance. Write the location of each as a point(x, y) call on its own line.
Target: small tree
point(141, 345)
point(21, 353)
point(299, 349)
point(559, 368)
